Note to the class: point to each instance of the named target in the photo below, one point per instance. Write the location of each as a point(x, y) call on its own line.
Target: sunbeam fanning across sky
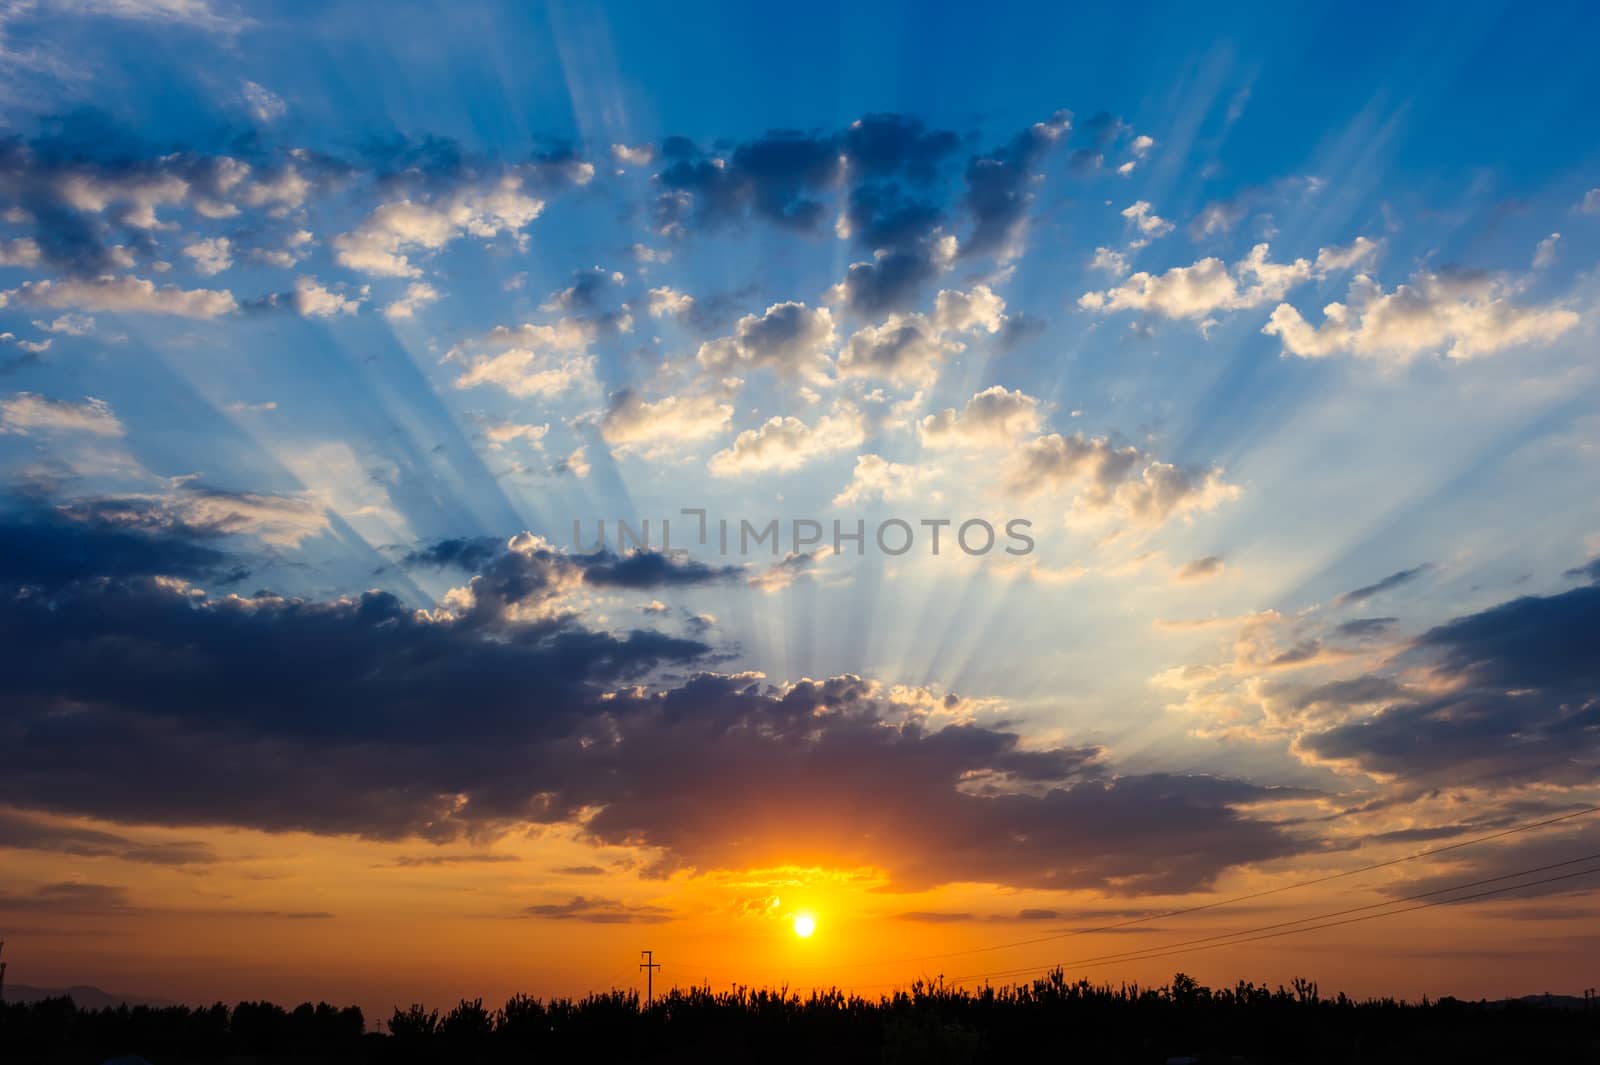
point(830, 498)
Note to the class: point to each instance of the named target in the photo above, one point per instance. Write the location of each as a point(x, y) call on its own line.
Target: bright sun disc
point(804, 925)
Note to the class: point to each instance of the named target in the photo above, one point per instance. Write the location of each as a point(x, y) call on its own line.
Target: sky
point(491, 488)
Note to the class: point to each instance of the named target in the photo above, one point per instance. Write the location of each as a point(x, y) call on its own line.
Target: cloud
point(595, 910)
point(418, 295)
point(904, 347)
point(383, 243)
point(1590, 204)
point(998, 189)
point(25, 832)
point(211, 256)
point(633, 424)
point(876, 478)
point(529, 360)
point(263, 103)
point(994, 417)
point(312, 300)
point(1508, 696)
point(1388, 584)
point(21, 251)
point(789, 338)
point(124, 295)
point(666, 301)
point(1144, 217)
point(1106, 478)
point(796, 566)
point(640, 155)
point(1204, 288)
point(1464, 315)
point(196, 511)
point(495, 712)
point(27, 412)
point(1201, 569)
point(782, 444)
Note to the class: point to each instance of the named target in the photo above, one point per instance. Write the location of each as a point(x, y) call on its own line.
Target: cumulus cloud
point(782, 444)
point(1204, 288)
point(210, 256)
point(666, 301)
point(312, 300)
point(123, 295)
point(788, 338)
point(1145, 219)
point(995, 417)
point(907, 347)
point(529, 360)
point(1462, 315)
point(1105, 478)
point(876, 479)
point(658, 427)
point(417, 295)
point(383, 243)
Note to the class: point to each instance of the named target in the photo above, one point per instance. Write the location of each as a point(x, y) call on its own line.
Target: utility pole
point(2, 972)
point(649, 965)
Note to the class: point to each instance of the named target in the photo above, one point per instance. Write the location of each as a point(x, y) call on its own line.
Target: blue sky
point(1277, 326)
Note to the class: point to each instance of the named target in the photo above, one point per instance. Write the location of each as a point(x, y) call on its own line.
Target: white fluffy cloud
point(786, 443)
point(418, 294)
point(1104, 478)
point(1463, 315)
point(23, 251)
point(655, 428)
point(1210, 286)
point(124, 295)
point(1144, 216)
point(383, 244)
point(665, 300)
point(312, 300)
point(211, 256)
point(529, 360)
point(993, 417)
point(877, 479)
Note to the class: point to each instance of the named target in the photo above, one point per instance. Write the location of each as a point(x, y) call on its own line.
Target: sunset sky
point(320, 329)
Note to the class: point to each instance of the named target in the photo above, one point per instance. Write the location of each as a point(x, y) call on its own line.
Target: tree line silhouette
point(928, 1024)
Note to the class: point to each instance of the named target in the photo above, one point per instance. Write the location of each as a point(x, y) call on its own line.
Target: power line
point(1248, 935)
point(1417, 856)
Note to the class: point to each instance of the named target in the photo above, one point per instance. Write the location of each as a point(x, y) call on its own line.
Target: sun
point(804, 925)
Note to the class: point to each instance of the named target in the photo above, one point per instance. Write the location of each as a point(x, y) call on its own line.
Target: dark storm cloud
point(997, 196)
point(132, 699)
point(893, 183)
point(1388, 584)
point(1516, 698)
point(21, 832)
point(888, 282)
point(722, 774)
point(50, 547)
point(515, 573)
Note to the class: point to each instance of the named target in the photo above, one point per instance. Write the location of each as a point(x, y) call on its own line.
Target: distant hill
point(84, 996)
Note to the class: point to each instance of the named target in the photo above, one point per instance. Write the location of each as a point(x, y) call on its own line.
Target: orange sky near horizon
point(292, 917)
